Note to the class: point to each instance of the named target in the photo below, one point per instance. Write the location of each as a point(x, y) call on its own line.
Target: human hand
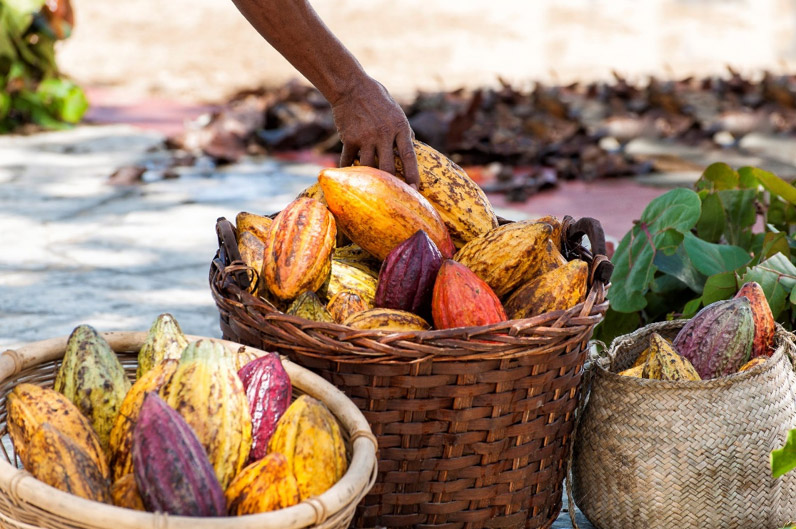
point(372, 125)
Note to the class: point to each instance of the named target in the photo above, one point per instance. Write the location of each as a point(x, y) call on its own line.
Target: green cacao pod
point(309, 306)
point(165, 340)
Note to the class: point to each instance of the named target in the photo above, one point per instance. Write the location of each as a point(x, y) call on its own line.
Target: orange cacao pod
point(344, 304)
point(265, 485)
point(765, 327)
point(298, 253)
point(462, 299)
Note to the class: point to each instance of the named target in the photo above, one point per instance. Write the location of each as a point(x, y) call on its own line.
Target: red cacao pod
point(765, 326)
point(462, 299)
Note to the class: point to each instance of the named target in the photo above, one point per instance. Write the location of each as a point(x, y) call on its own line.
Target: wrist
point(348, 85)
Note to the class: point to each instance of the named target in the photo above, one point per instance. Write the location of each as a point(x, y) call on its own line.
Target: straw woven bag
point(26, 503)
point(474, 424)
point(686, 454)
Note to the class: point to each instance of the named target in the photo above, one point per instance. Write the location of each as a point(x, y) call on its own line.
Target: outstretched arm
point(368, 119)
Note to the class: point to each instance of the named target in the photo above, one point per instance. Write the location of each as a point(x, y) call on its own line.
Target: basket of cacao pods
point(460, 336)
point(157, 429)
point(680, 420)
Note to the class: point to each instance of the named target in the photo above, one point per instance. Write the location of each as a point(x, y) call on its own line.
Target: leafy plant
point(692, 247)
point(32, 90)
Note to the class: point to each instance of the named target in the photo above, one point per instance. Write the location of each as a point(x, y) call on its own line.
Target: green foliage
point(784, 459)
point(31, 87)
point(693, 247)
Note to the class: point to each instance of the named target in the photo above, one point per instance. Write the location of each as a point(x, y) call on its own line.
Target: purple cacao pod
point(171, 468)
point(718, 340)
point(268, 390)
point(407, 275)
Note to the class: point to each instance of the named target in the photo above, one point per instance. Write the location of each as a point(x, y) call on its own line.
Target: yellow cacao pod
point(206, 390)
point(314, 191)
point(309, 306)
point(554, 223)
point(664, 363)
point(29, 406)
point(252, 252)
point(256, 224)
point(263, 486)
point(298, 253)
point(121, 439)
point(636, 372)
point(753, 363)
point(241, 357)
point(509, 255)
point(309, 437)
point(388, 320)
point(559, 289)
point(355, 256)
point(351, 278)
point(124, 493)
point(346, 303)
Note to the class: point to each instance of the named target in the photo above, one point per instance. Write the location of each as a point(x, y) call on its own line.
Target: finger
point(387, 157)
point(367, 156)
point(349, 155)
point(406, 152)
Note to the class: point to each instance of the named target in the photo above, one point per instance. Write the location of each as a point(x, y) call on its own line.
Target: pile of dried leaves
point(533, 138)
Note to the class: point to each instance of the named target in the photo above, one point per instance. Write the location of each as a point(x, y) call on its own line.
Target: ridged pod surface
point(352, 254)
point(462, 204)
point(351, 278)
point(253, 223)
point(387, 320)
point(30, 406)
point(556, 235)
point(314, 191)
point(308, 305)
point(344, 304)
point(559, 289)
point(241, 357)
point(268, 390)
point(407, 275)
point(299, 249)
point(635, 372)
point(54, 459)
point(378, 211)
point(462, 299)
point(508, 256)
point(172, 471)
point(164, 340)
point(765, 326)
point(265, 485)
point(252, 252)
point(754, 362)
point(124, 493)
point(664, 363)
point(92, 377)
point(121, 439)
point(309, 437)
point(718, 339)
point(206, 391)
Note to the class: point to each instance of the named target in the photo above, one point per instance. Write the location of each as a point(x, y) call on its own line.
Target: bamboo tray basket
point(26, 503)
point(474, 424)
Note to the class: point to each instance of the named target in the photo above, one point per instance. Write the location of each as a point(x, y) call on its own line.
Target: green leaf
point(741, 213)
point(718, 176)
point(783, 460)
point(713, 219)
point(777, 277)
point(680, 266)
point(774, 184)
point(5, 104)
point(616, 324)
point(774, 243)
point(748, 180)
point(692, 307)
point(720, 286)
point(710, 258)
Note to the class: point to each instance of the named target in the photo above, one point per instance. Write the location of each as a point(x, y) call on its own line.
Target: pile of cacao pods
point(203, 431)
point(723, 338)
point(364, 249)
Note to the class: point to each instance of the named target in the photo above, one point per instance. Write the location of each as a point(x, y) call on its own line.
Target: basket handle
point(228, 250)
point(574, 230)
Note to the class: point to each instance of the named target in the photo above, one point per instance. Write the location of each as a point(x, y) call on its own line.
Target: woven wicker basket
point(26, 503)
point(473, 423)
point(685, 454)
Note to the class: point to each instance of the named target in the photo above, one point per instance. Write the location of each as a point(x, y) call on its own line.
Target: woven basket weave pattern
point(691, 455)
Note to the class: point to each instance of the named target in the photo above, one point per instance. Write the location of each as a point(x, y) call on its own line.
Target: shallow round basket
point(27, 503)
point(473, 423)
point(685, 454)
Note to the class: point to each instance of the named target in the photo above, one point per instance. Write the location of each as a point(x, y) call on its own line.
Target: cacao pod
point(124, 493)
point(299, 249)
point(718, 339)
point(765, 326)
point(664, 363)
point(164, 340)
point(754, 362)
point(242, 357)
point(121, 439)
point(253, 223)
point(29, 406)
point(314, 191)
point(263, 486)
point(352, 279)
point(559, 289)
point(462, 204)
point(309, 437)
point(206, 391)
point(54, 459)
point(309, 306)
point(92, 377)
point(406, 278)
point(461, 299)
point(556, 235)
point(344, 304)
point(268, 391)
point(378, 212)
point(508, 256)
point(252, 252)
point(388, 320)
point(635, 371)
point(642, 358)
point(355, 256)
point(172, 471)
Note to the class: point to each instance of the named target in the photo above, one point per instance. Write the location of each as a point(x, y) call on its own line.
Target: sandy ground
point(202, 50)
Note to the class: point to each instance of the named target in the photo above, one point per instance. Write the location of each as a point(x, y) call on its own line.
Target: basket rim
point(20, 486)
